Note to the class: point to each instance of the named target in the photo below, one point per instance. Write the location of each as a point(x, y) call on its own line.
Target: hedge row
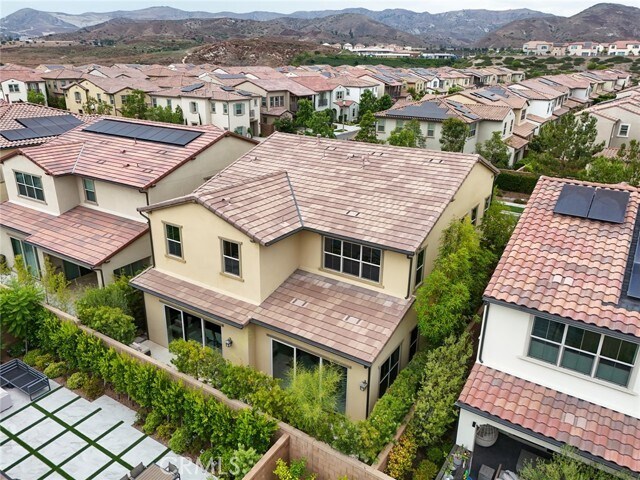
point(193, 422)
point(364, 439)
point(514, 181)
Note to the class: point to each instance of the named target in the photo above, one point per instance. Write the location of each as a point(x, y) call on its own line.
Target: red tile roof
point(567, 266)
point(379, 194)
point(590, 428)
point(82, 234)
point(351, 321)
point(136, 163)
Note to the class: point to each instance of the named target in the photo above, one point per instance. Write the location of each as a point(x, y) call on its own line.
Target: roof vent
point(351, 320)
point(298, 302)
point(352, 213)
point(123, 151)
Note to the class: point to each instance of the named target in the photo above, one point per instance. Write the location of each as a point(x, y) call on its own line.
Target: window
point(73, 270)
point(239, 108)
point(504, 129)
point(339, 95)
point(28, 254)
point(154, 102)
point(30, 186)
point(474, 215)
point(193, 107)
point(77, 97)
point(169, 103)
point(184, 326)
point(381, 125)
point(276, 101)
point(624, 130)
point(14, 88)
point(263, 102)
point(231, 258)
point(472, 129)
point(213, 107)
point(123, 98)
point(286, 358)
point(487, 204)
point(413, 343)
point(348, 92)
point(389, 371)
point(112, 100)
point(419, 267)
point(89, 190)
point(352, 259)
point(98, 97)
point(174, 241)
point(511, 127)
point(225, 108)
point(583, 351)
point(431, 130)
point(131, 269)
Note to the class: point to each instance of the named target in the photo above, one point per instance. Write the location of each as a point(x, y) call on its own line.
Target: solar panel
point(227, 89)
point(609, 205)
point(634, 281)
point(67, 121)
point(40, 127)
point(191, 88)
point(424, 110)
point(575, 200)
point(150, 133)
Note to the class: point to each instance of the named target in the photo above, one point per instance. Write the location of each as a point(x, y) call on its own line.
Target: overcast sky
point(558, 7)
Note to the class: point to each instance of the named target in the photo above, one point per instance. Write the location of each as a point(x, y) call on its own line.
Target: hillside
point(600, 23)
point(450, 28)
point(339, 28)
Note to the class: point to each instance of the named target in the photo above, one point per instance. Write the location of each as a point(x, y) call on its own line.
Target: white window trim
point(423, 250)
point(620, 130)
point(44, 197)
point(85, 189)
point(223, 257)
point(167, 240)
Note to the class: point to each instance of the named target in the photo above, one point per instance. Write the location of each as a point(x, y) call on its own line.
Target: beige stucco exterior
point(85, 89)
point(265, 268)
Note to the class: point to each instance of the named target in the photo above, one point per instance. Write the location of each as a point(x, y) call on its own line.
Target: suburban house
point(558, 360)
point(585, 49)
point(112, 91)
point(16, 128)
point(205, 103)
point(537, 47)
point(307, 251)
point(58, 78)
point(74, 199)
point(16, 82)
point(624, 47)
point(618, 121)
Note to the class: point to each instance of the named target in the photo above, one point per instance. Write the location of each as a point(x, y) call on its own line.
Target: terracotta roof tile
point(395, 195)
point(85, 235)
point(547, 245)
point(578, 423)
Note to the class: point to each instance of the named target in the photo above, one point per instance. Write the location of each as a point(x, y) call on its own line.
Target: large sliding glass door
point(28, 254)
point(185, 326)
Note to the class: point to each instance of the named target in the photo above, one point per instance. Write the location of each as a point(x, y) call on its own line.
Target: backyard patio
point(60, 435)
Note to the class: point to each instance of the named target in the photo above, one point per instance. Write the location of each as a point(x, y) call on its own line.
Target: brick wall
point(263, 470)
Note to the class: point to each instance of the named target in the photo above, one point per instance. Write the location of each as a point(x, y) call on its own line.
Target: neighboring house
point(204, 103)
point(299, 254)
point(537, 47)
point(545, 100)
point(346, 96)
point(74, 198)
point(624, 48)
point(112, 91)
point(584, 49)
point(15, 132)
point(618, 121)
point(58, 78)
point(16, 82)
point(558, 360)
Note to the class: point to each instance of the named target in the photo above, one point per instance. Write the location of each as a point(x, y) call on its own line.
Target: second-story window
point(472, 129)
point(78, 97)
point(419, 267)
point(231, 258)
point(239, 108)
point(276, 101)
point(29, 186)
point(583, 351)
point(431, 130)
point(225, 108)
point(169, 103)
point(339, 95)
point(213, 107)
point(173, 236)
point(14, 88)
point(352, 259)
point(89, 190)
point(193, 107)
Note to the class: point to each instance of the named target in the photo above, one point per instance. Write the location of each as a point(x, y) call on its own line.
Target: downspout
point(101, 275)
point(410, 272)
point(485, 320)
point(368, 389)
point(146, 217)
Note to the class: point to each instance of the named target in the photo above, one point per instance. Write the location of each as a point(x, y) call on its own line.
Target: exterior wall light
point(363, 385)
point(228, 342)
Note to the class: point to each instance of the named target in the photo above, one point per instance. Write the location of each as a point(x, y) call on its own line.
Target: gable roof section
point(590, 428)
point(127, 161)
point(566, 266)
point(382, 195)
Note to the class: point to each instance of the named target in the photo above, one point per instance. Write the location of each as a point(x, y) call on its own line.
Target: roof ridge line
point(75, 164)
point(295, 199)
point(200, 189)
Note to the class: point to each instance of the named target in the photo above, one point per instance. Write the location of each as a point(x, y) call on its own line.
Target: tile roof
point(590, 428)
point(21, 74)
point(207, 90)
point(537, 119)
point(567, 266)
point(351, 321)
point(10, 112)
point(525, 129)
point(280, 84)
point(115, 85)
point(398, 193)
point(82, 234)
point(516, 142)
point(127, 161)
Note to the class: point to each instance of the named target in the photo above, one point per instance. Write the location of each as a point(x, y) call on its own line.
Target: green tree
point(304, 113)
point(285, 124)
point(165, 114)
point(607, 170)
point(35, 96)
point(367, 131)
point(566, 466)
point(368, 104)
point(409, 135)
point(564, 147)
point(496, 228)
point(135, 105)
point(454, 135)
point(385, 102)
point(495, 150)
point(320, 124)
point(454, 89)
point(98, 107)
point(21, 310)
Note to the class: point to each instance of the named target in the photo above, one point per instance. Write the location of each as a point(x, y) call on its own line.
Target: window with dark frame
point(474, 215)
point(419, 267)
point(89, 190)
point(413, 343)
point(30, 186)
point(584, 351)
point(487, 203)
point(174, 240)
point(352, 259)
point(231, 258)
point(389, 371)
